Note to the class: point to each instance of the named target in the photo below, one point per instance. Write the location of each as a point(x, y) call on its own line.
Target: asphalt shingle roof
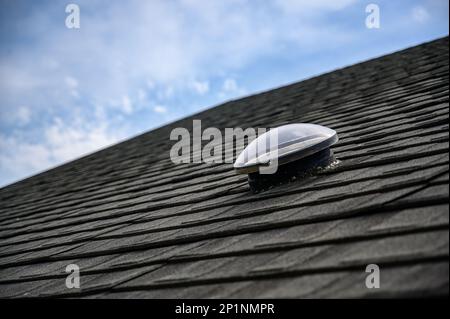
point(139, 226)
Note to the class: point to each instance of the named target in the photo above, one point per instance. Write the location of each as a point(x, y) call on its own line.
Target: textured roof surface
point(139, 226)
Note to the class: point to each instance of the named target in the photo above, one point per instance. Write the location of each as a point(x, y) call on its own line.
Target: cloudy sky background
point(135, 65)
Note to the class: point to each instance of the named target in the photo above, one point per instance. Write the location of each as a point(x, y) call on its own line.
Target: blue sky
point(136, 65)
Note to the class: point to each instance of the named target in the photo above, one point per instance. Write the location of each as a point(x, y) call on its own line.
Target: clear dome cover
point(286, 143)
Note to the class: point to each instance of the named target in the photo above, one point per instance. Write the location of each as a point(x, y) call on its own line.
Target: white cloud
point(165, 45)
point(166, 93)
point(307, 6)
point(231, 89)
point(230, 85)
point(150, 84)
point(420, 14)
point(142, 95)
point(200, 87)
point(23, 115)
point(16, 116)
point(62, 142)
point(18, 158)
point(160, 109)
point(15, 78)
point(67, 142)
point(127, 107)
point(72, 84)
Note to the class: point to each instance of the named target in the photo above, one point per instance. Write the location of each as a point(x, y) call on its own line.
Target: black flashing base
point(291, 171)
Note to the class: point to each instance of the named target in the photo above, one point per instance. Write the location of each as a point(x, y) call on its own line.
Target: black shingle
point(140, 226)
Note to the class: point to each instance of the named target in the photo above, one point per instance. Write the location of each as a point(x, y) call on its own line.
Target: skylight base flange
point(290, 171)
